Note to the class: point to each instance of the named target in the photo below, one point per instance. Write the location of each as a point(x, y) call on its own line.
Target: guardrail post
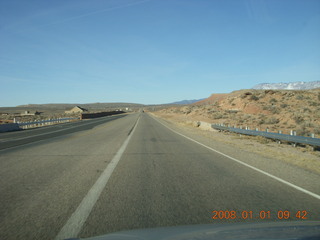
point(312, 135)
point(293, 133)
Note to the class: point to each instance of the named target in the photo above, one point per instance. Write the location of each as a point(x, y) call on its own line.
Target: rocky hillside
point(274, 109)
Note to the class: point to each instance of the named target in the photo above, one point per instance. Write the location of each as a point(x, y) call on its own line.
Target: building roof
point(76, 109)
point(83, 109)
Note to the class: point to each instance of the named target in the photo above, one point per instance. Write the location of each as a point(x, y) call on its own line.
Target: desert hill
point(64, 106)
point(283, 110)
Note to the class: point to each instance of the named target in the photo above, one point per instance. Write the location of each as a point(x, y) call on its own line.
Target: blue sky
point(152, 51)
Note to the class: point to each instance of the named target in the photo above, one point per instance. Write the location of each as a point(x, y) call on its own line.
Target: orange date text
point(263, 214)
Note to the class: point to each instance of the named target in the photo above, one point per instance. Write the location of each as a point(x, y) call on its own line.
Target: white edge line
point(245, 164)
point(74, 224)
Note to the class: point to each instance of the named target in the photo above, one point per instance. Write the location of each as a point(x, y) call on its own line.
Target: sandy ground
point(304, 157)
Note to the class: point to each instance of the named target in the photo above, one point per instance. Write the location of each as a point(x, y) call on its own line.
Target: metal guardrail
point(45, 122)
point(276, 136)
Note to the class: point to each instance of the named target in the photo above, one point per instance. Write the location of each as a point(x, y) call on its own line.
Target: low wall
point(100, 114)
point(9, 127)
point(206, 126)
point(202, 125)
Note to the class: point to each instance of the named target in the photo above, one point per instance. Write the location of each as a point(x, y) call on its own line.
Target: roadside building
point(30, 113)
point(76, 109)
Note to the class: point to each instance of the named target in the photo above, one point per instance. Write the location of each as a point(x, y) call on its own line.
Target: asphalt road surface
point(15, 138)
point(130, 172)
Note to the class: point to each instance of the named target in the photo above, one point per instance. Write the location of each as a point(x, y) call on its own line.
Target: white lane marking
point(60, 130)
point(73, 226)
point(247, 165)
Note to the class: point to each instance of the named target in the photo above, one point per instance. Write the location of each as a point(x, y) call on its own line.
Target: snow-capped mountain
point(289, 86)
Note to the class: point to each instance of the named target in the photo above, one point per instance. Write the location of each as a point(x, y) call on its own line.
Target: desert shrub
point(319, 96)
point(307, 124)
point(313, 103)
point(273, 100)
point(247, 116)
point(254, 98)
point(218, 116)
point(269, 91)
point(210, 111)
point(284, 105)
point(272, 109)
point(299, 97)
point(275, 110)
point(298, 119)
point(272, 120)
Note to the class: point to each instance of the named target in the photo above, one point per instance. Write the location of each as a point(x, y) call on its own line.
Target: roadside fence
point(26, 125)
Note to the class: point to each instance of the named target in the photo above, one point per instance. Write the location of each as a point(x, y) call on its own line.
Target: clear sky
point(152, 51)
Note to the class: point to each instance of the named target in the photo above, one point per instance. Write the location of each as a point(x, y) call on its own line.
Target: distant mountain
point(84, 105)
point(289, 86)
point(184, 102)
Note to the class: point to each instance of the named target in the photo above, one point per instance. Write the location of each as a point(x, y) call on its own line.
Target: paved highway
point(135, 172)
point(15, 138)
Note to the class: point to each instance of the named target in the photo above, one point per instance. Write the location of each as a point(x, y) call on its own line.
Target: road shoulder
point(283, 161)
